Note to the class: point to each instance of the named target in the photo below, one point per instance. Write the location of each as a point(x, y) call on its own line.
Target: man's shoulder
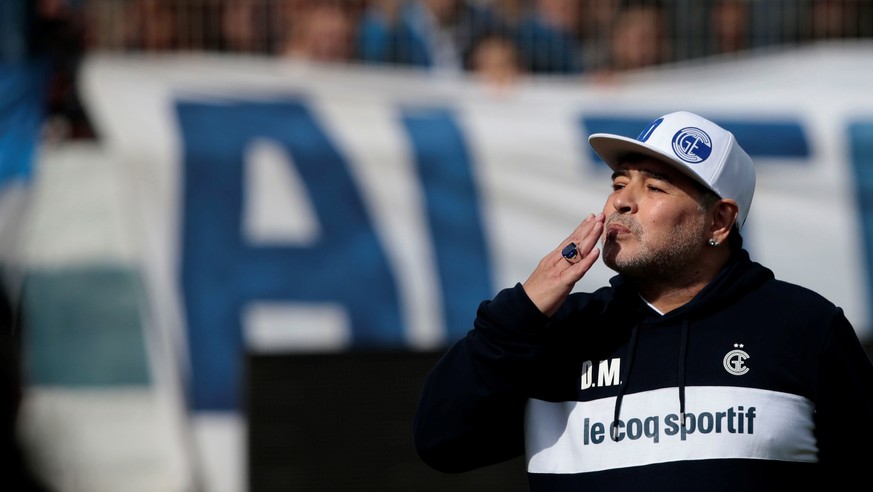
point(783, 287)
point(779, 295)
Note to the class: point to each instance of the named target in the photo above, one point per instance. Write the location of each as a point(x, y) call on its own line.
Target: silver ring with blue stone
point(570, 251)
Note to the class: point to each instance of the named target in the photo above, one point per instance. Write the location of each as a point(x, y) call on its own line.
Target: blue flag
point(23, 88)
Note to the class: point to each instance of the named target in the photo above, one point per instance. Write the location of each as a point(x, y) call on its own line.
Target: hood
point(739, 276)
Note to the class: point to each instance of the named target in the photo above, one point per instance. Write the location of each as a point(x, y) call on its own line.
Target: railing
point(595, 33)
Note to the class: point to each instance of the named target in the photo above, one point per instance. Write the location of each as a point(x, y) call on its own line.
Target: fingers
point(557, 273)
point(583, 239)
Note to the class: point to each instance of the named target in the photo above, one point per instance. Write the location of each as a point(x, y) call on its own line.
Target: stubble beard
point(661, 260)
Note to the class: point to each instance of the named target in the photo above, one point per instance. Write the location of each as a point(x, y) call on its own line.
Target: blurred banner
point(282, 207)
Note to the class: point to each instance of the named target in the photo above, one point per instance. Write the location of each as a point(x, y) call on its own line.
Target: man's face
point(655, 226)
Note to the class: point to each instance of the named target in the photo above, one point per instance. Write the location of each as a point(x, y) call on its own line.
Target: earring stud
point(712, 242)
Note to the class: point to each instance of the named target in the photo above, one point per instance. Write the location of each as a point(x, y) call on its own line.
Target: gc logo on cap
point(692, 145)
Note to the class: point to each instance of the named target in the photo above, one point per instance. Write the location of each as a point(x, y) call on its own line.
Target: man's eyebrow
point(648, 172)
point(658, 176)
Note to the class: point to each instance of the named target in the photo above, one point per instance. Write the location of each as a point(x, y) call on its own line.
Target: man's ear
point(724, 216)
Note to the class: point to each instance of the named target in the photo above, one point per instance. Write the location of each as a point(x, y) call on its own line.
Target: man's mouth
point(617, 229)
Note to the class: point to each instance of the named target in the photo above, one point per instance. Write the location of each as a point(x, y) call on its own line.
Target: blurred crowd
point(497, 41)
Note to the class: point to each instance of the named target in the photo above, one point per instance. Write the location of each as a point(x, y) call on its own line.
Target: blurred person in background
point(836, 19)
point(321, 32)
point(549, 38)
point(730, 26)
point(432, 34)
point(373, 39)
point(496, 61)
point(166, 26)
point(153, 26)
point(41, 47)
point(245, 26)
point(594, 30)
point(638, 39)
point(509, 11)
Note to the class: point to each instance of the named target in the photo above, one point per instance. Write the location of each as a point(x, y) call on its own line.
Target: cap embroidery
point(692, 145)
point(645, 134)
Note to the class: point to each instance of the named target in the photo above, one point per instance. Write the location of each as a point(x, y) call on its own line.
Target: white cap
point(699, 148)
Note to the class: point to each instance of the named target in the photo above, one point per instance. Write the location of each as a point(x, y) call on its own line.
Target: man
point(695, 369)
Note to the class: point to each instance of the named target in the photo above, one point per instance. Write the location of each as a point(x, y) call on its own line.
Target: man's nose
point(624, 200)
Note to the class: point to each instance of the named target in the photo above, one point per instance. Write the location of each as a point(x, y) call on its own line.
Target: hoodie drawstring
point(683, 345)
point(626, 370)
point(632, 347)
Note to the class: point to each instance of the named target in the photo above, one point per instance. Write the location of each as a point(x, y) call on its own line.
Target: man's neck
point(668, 299)
point(670, 294)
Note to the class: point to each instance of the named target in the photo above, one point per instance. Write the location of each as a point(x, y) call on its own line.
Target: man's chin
point(623, 265)
point(610, 257)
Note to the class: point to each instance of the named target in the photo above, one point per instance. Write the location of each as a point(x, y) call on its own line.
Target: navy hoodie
point(770, 379)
